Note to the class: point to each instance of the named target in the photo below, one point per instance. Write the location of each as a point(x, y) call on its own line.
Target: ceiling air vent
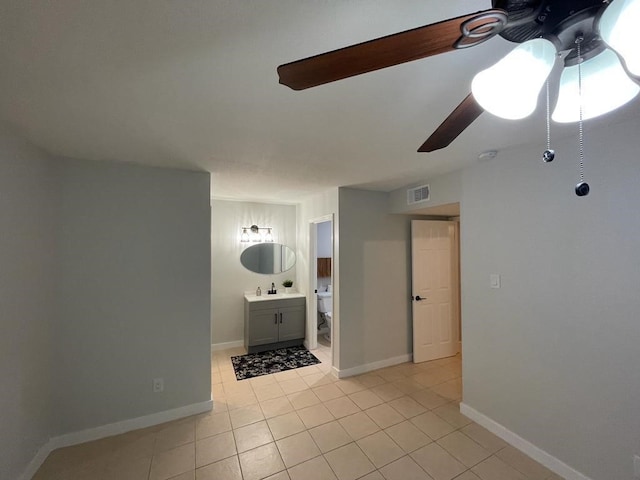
point(418, 194)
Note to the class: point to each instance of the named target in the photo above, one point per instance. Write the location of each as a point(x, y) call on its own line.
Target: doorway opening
point(435, 289)
point(320, 309)
point(435, 283)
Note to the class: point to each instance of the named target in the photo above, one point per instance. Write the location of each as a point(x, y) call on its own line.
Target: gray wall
point(375, 259)
point(553, 355)
point(444, 190)
point(324, 249)
point(229, 279)
point(133, 290)
point(27, 276)
point(324, 240)
point(104, 285)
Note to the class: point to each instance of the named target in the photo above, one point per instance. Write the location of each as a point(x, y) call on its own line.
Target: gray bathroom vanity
point(273, 321)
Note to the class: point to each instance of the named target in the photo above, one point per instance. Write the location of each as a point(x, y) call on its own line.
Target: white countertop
point(252, 297)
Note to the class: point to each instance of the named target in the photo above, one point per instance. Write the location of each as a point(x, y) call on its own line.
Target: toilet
point(325, 304)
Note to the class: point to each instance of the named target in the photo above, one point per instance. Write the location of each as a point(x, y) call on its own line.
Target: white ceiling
point(193, 84)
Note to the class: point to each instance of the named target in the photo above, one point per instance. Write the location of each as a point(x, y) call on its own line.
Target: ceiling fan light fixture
point(605, 87)
point(618, 28)
point(510, 88)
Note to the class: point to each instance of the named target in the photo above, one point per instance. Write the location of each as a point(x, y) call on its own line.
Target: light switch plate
point(494, 280)
point(158, 385)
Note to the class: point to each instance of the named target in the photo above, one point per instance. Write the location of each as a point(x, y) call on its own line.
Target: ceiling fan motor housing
point(559, 21)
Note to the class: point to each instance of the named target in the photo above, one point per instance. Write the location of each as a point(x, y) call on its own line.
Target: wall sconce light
point(252, 234)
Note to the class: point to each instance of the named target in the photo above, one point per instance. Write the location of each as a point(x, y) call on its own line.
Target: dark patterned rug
point(273, 361)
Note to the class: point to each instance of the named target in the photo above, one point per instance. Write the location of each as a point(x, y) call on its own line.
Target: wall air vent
point(418, 194)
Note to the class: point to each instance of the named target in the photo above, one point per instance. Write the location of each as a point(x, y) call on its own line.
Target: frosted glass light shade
point(605, 87)
point(509, 89)
point(619, 27)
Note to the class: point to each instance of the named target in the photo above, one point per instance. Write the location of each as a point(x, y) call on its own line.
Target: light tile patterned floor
point(397, 423)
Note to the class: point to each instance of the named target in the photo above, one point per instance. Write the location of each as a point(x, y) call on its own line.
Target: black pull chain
point(582, 188)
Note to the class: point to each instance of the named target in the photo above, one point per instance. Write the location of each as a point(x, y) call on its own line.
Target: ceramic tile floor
point(397, 423)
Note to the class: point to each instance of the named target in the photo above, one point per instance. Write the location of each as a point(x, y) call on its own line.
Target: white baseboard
point(368, 367)
point(117, 428)
point(223, 346)
point(36, 462)
point(539, 455)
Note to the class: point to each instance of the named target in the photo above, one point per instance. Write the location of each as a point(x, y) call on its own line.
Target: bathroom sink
point(265, 296)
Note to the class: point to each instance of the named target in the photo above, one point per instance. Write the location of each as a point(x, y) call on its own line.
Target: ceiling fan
point(595, 38)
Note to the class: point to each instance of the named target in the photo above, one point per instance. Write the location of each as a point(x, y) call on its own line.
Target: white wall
point(375, 298)
point(553, 355)
point(229, 279)
point(133, 292)
point(27, 308)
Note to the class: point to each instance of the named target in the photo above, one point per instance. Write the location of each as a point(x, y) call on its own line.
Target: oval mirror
point(268, 258)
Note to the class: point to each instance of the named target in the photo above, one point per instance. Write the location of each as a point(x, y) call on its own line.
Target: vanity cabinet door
point(291, 321)
point(264, 327)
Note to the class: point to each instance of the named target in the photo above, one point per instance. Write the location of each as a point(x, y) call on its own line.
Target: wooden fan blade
point(463, 116)
point(391, 50)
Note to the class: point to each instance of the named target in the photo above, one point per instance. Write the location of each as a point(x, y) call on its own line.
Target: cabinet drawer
point(277, 303)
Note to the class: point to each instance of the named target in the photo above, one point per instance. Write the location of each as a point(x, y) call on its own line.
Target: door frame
point(312, 296)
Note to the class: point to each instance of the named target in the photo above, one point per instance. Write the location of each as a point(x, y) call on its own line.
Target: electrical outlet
point(636, 467)
point(158, 385)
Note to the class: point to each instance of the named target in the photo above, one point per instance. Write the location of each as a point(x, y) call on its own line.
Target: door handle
point(276, 322)
point(419, 298)
point(280, 318)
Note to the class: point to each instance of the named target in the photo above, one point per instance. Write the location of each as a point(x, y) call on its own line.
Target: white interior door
point(435, 289)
